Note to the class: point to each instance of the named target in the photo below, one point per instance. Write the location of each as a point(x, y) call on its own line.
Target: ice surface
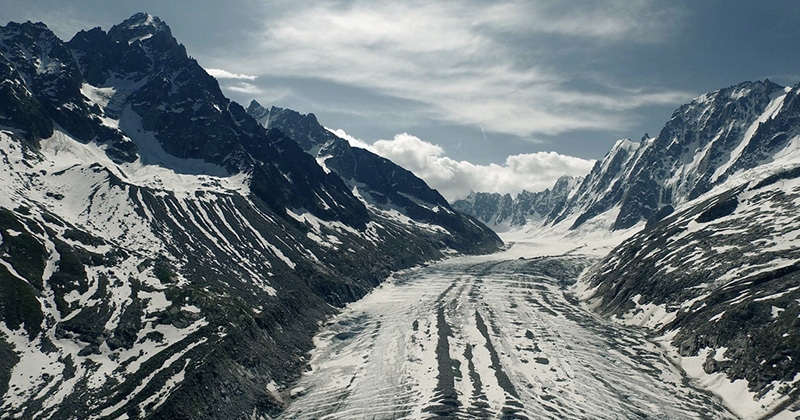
point(487, 337)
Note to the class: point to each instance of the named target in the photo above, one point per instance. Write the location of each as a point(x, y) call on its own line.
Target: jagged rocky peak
point(257, 111)
point(566, 183)
point(490, 208)
point(140, 27)
point(705, 142)
point(51, 91)
point(37, 54)
point(131, 50)
point(28, 35)
point(502, 212)
point(304, 128)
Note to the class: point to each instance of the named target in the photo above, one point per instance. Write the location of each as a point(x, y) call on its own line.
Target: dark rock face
point(164, 253)
point(50, 89)
point(501, 211)
point(382, 185)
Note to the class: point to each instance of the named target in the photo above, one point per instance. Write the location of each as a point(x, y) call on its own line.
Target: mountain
point(502, 212)
point(162, 254)
point(713, 268)
point(379, 183)
point(705, 142)
point(719, 280)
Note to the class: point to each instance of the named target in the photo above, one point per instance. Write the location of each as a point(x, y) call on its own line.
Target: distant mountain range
point(163, 254)
point(502, 212)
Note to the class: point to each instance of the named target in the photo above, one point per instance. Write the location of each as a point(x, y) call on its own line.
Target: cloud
point(633, 21)
point(243, 87)
point(455, 179)
point(470, 63)
point(350, 139)
point(225, 74)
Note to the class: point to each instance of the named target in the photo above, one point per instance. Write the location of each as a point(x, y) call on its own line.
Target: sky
point(470, 95)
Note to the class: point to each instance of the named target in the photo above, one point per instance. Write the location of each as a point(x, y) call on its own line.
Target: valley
point(166, 252)
point(499, 336)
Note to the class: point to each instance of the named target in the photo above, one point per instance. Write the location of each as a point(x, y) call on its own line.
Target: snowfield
point(489, 337)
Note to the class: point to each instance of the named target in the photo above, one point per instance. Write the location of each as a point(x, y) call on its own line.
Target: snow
point(72, 181)
point(139, 38)
point(648, 315)
point(391, 211)
point(155, 169)
point(593, 238)
point(776, 295)
point(157, 301)
point(735, 395)
point(171, 383)
point(330, 233)
point(321, 161)
point(716, 317)
point(99, 96)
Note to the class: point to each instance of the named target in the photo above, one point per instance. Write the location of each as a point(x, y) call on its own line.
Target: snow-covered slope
point(714, 270)
point(720, 280)
point(161, 253)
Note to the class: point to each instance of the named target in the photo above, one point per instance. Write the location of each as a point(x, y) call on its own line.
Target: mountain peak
point(254, 105)
point(28, 33)
point(257, 111)
point(139, 27)
point(145, 20)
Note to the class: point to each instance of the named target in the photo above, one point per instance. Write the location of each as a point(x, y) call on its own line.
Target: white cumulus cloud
point(455, 179)
point(225, 74)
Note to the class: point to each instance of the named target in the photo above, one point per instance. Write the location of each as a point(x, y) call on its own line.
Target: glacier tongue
point(488, 337)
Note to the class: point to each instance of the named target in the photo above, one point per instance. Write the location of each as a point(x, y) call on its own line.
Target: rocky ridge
point(379, 183)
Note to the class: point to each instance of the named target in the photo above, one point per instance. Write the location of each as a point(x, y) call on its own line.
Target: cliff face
point(706, 141)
